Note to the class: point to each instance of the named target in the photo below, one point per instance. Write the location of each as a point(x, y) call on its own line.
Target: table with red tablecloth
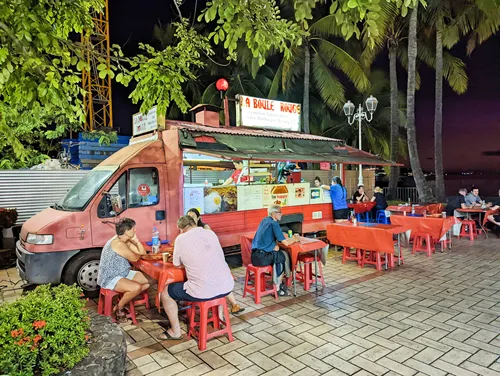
point(305, 245)
point(419, 209)
point(435, 227)
point(163, 272)
point(367, 236)
point(362, 207)
point(483, 216)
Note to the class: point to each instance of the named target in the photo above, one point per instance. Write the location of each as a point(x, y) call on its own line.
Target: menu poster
point(299, 194)
point(220, 199)
point(275, 195)
point(193, 198)
point(250, 197)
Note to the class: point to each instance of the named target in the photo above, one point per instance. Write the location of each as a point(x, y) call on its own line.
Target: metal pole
point(360, 120)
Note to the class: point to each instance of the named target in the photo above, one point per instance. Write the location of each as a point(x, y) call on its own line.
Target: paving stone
point(484, 358)
point(450, 368)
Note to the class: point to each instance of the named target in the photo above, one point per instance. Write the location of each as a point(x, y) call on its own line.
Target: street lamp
point(371, 106)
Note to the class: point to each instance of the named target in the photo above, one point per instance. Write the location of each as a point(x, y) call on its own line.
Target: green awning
point(275, 149)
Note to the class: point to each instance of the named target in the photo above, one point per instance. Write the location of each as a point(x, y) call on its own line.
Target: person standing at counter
point(240, 174)
point(338, 194)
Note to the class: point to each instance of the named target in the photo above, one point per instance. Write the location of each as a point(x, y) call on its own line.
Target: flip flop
point(166, 336)
point(239, 309)
point(284, 293)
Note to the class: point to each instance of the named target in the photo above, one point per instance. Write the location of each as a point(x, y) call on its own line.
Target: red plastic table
point(435, 227)
point(362, 207)
point(164, 273)
point(486, 212)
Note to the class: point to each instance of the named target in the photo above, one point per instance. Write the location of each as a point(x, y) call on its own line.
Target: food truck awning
point(266, 146)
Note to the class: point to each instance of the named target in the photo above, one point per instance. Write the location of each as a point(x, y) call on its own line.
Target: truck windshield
point(79, 196)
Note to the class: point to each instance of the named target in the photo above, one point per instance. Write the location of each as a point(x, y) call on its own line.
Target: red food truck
point(63, 243)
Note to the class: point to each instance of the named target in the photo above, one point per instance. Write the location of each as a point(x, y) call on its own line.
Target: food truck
point(145, 181)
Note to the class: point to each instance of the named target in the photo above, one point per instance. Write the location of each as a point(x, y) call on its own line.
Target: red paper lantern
point(222, 84)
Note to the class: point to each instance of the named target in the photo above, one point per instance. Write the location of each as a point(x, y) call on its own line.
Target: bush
point(8, 217)
point(43, 332)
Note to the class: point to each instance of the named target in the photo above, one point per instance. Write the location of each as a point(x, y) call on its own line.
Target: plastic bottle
point(155, 241)
point(290, 234)
point(409, 201)
point(206, 183)
point(413, 209)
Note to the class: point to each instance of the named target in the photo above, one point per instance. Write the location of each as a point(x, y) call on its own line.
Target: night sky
point(471, 122)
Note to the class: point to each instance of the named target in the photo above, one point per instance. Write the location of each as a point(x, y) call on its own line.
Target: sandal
point(235, 309)
point(284, 293)
point(166, 336)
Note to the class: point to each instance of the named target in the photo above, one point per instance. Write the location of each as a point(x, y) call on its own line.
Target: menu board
point(193, 198)
point(250, 197)
point(299, 194)
point(278, 194)
point(220, 199)
point(319, 196)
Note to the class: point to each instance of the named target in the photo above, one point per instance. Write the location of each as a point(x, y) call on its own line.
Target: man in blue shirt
point(265, 250)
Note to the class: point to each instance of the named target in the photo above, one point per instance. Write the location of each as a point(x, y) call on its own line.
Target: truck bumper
point(41, 268)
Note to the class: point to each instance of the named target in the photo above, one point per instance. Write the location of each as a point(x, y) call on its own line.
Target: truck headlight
point(40, 239)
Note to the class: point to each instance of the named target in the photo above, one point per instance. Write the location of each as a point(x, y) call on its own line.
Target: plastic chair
point(306, 275)
point(105, 305)
point(199, 329)
point(468, 230)
point(382, 218)
point(423, 243)
point(371, 258)
point(258, 274)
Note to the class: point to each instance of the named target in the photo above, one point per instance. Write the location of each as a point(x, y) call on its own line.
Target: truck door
point(141, 191)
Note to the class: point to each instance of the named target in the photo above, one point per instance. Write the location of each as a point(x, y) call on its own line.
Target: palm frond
point(276, 84)
point(326, 27)
point(293, 69)
point(402, 55)
point(327, 84)
point(340, 59)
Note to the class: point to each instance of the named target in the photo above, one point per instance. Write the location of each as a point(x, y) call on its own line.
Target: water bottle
point(290, 234)
point(409, 201)
point(155, 241)
point(413, 209)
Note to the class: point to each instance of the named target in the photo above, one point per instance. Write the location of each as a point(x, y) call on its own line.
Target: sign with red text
point(267, 113)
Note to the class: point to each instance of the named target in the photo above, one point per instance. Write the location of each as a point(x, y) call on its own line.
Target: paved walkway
point(433, 316)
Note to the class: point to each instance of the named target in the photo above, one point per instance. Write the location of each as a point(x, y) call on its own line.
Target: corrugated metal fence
point(31, 191)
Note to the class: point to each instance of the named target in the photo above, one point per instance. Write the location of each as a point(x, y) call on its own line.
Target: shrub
point(43, 332)
point(8, 217)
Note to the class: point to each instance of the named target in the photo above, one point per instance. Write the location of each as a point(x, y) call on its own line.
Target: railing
point(405, 193)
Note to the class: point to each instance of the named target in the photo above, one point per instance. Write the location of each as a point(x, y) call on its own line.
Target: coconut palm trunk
point(394, 176)
point(424, 192)
point(438, 114)
point(307, 78)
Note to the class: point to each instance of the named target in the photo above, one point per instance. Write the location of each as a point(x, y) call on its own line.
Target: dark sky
point(471, 122)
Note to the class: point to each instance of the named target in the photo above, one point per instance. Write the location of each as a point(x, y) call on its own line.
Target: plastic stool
point(468, 230)
point(257, 274)
point(144, 299)
point(306, 276)
point(382, 218)
point(199, 329)
point(423, 243)
point(105, 304)
point(347, 255)
point(371, 258)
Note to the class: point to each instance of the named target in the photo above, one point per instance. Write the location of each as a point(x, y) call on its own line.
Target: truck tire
point(82, 269)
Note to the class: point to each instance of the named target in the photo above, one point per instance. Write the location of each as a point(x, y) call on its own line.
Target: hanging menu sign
point(250, 197)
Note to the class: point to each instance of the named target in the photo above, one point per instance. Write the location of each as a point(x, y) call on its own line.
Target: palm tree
point(323, 51)
point(424, 192)
point(450, 19)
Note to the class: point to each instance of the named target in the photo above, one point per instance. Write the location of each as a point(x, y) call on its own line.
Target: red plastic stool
point(348, 255)
point(306, 276)
point(468, 230)
point(199, 329)
point(144, 299)
point(423, 243)
point(257, 274)
point(371, 258)
point(105, 304)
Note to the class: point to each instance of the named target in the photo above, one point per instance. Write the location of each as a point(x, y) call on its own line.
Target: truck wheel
point(82, 270)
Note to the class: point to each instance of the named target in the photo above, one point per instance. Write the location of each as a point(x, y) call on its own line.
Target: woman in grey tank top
point(114, 267)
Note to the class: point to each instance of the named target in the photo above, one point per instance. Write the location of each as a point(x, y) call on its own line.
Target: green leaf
point(103, 74)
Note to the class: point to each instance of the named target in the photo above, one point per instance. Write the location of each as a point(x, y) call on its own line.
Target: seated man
point(454, 203)
point(265, 250)
point(359, 196)
point(473, 199)
point(495, 218)
point(208, 275)
point(114, 267)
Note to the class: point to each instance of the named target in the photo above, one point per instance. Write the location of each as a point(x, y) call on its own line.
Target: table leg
point(294, 282)
point(481, 225)
point(316, 267)
point(399, 249)
point(386, 261)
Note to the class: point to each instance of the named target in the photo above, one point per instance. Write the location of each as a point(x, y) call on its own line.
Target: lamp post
point(360, 115)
